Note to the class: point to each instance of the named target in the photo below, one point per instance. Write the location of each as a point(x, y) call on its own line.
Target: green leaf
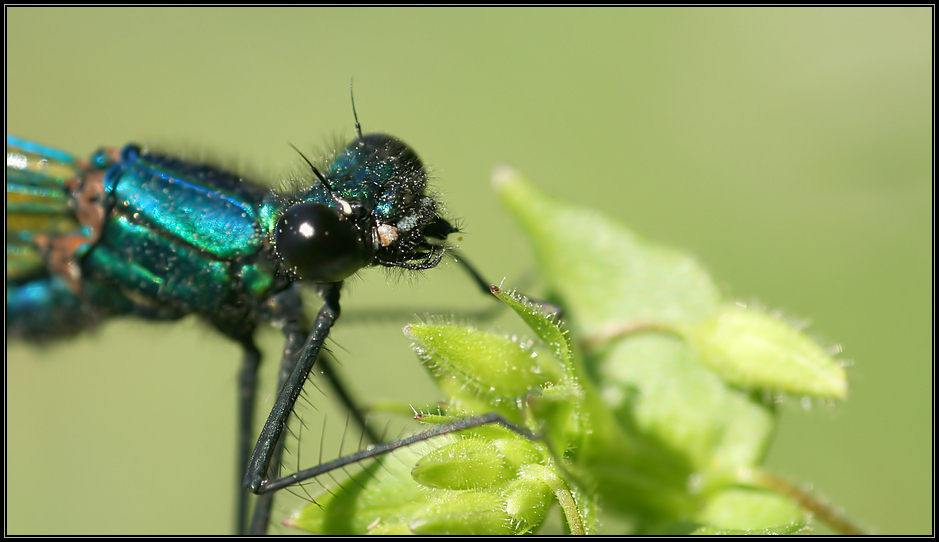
point(545, 325)
point(529, 497)
point(628, 300)
point(607, 278)
point(660, 392)
point(744, 508)
point(382, 498)
point(473, 512)
point(469, 463)
point(482, 363)
point(754, 350)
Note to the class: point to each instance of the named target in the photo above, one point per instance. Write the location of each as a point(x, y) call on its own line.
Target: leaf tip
point(502, 176)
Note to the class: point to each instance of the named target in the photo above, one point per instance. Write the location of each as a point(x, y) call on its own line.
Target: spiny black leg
point(265, 450)
point(380, 449)
point(264, 503)
point(286, 311)
point(247, 387)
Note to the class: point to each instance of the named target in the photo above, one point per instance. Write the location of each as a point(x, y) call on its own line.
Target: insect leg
point(486, 286)
point(380, 449)
point(285, 311)
point(471, 271)
point(256, 477)
point(247, 389)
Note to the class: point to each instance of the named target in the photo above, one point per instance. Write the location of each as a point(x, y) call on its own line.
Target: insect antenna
point(315, 170)
point(358, 127)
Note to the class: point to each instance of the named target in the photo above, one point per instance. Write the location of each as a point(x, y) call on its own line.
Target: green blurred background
point(790, 149)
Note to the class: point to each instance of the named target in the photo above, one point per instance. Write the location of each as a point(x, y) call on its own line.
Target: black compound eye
point(319, 244)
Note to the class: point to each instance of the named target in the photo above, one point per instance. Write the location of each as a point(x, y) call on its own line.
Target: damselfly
point(132, 232)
